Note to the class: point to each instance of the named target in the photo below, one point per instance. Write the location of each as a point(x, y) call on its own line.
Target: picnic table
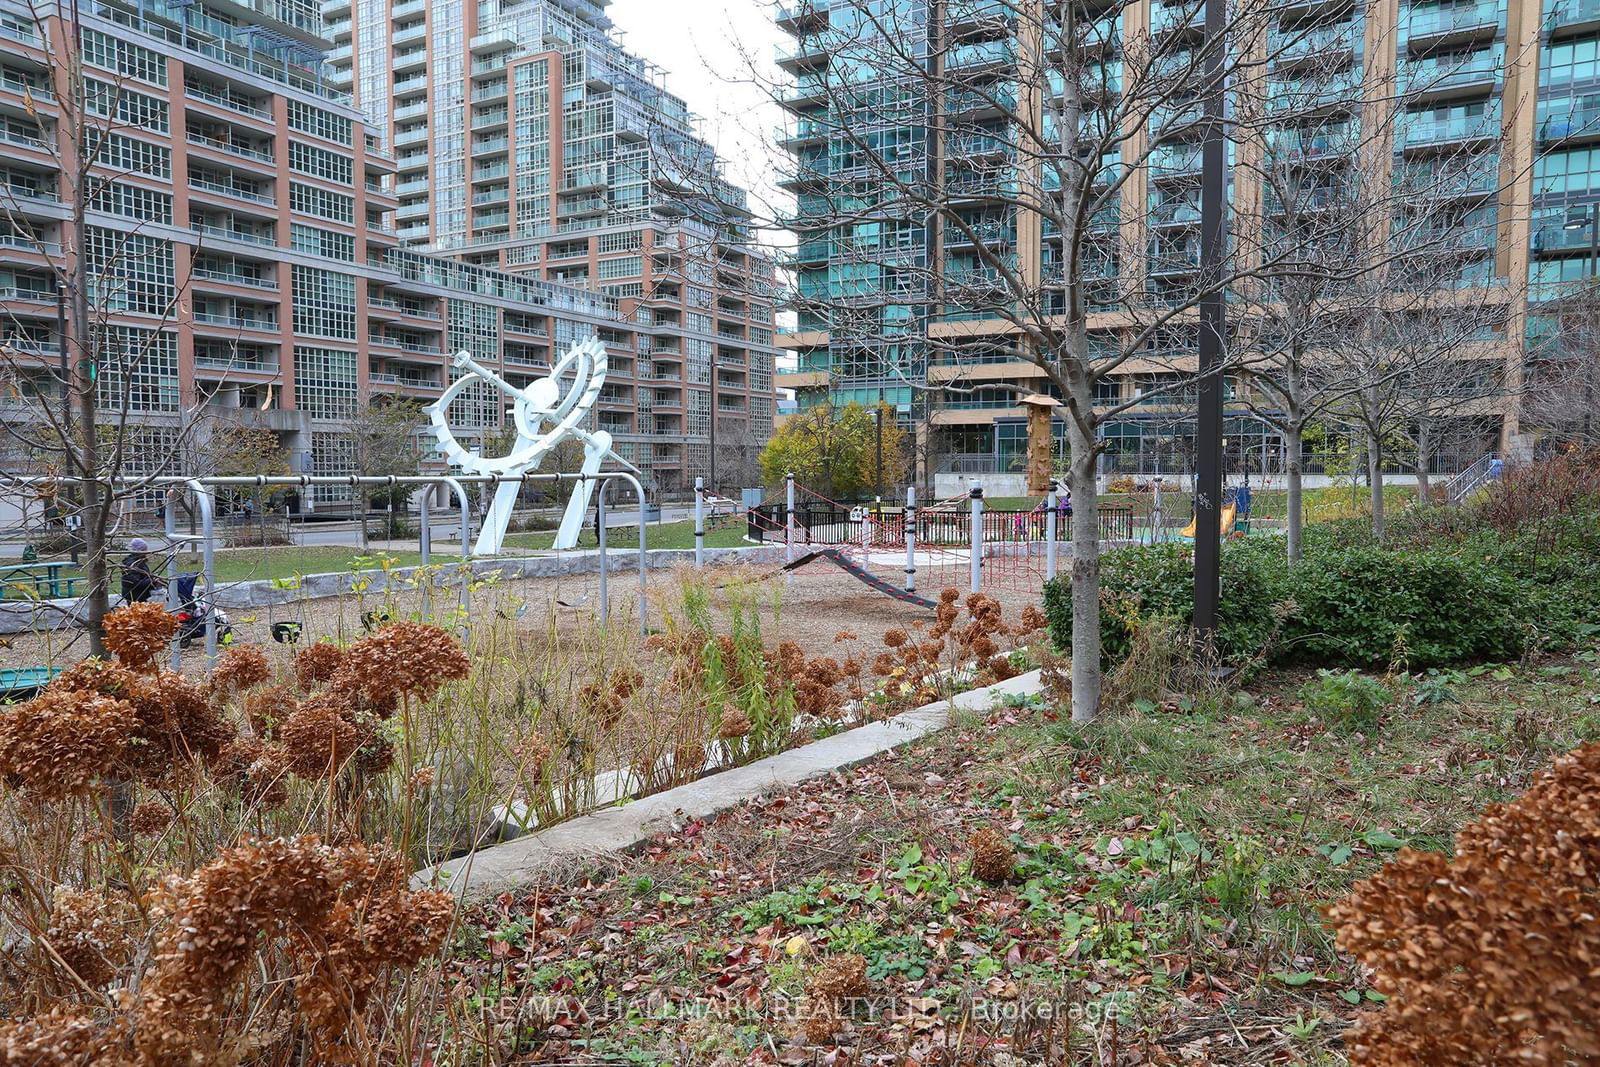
point(19, 683)
point(44, 581)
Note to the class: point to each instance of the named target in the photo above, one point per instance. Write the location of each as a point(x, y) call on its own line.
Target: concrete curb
point(622, 828)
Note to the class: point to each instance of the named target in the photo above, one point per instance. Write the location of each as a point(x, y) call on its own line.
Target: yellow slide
point(1229, 513)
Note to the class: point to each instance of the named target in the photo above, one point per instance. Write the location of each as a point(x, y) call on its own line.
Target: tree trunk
point(92, 524)
point(1295, 491)
point(1424, 459)
point(1375, 479)
point(1085, 567)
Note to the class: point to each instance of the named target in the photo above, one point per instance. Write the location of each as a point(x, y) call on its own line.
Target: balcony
point(1181, 162)
point(231, 191)
point(416, 31)
point(235, 322)
point(223, 361)
point(410, 59)
point(416, 83)
point(493, 41)
point(232, 148)
point(1578, 124)
point(413, 134)
point(411, 111)
point(1453, 21)
point(412, 186)
point(1445, 76)
point(380, 305)
point(408, 8)
point(807, 53)
point(492, 91)
point(1180, 16)
point(803, 16)
point(486, 220)
point(491, 196)
point(1324, 44)
point(1455, 131)
point(265, 239)
point(490, 146)
point(808, 90)
point(1557, 238)
point(232, 103)
point(234, 278)
point(493, 118)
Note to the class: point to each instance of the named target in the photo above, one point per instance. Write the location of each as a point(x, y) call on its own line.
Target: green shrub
point(1372, 606)
point(1157, 581)
point(1345, 698)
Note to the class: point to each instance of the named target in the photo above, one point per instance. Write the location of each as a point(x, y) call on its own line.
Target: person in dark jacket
point(138, 580)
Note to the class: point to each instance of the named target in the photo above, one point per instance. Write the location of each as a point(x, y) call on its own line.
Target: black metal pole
point(1208, 428)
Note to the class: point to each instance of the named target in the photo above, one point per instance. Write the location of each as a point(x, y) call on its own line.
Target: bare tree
point(104, 414)
point(1564, 378)
point(977, 166)
point(383, 438)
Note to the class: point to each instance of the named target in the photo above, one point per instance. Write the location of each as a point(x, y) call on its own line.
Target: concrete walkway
point(612, 830)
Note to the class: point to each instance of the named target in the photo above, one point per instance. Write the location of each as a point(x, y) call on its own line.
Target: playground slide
point(861, 574)
point(1230, 512)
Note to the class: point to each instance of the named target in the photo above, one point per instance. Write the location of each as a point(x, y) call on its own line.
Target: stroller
point(194, 612)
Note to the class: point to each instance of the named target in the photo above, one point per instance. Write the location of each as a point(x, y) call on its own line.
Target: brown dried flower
point(319, 737)
point(841, 978)
point(65, 1038)
point(150, 818)
point(317, 663)
point(532, 754)
point(1033, 620)
point(267, 708)
point(993, 858)
point(92, 933)
point(94, 675)
point(1489, 956)
point(176, 724)
point(844, 635)
point(241, 667)
point(735, 723)
point(406, 659)
point(137, 633)
point(62, 743)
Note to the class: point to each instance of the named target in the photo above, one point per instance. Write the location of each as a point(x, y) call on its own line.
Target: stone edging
point(622, 828)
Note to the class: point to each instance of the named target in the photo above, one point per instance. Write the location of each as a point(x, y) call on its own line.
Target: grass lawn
point(722, 532)
point(1171, 865)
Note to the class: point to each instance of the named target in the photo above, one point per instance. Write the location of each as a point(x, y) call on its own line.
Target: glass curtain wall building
point(1460, 68)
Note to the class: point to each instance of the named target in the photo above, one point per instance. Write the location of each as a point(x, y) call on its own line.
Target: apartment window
point(323, 203)
point(130, 271)
point(123, 57)
point(324, 304)
point(626, 267)
point(629, 241)
point(626, 290)
point(698, 297)
point(1577, 59)
point(138, 369)
point(315, 241)
point(324, 380)
point(699, 323)
point(319, 123)
point(1573, 171)
point(133, 202)
point(319, 163)
point(124, 105)
point(116, 152)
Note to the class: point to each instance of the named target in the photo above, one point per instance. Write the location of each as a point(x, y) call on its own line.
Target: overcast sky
point(718, 56)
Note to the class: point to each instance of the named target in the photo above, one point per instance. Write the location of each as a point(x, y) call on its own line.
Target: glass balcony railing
point(1571, 12)
point(1454, 18)
point(1430, 75)
point(1579, 122)
point(1286, 46)
point(1448, 131)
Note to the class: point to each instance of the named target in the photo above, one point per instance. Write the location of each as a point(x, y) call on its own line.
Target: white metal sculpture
point(541, 402)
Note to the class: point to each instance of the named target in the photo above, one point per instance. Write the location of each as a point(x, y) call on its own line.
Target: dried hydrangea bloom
point(177, 724)
point(344, 916)
point(532, 754)
point(63, 743)
point(93, 675)
point(65, 1038)
point(137, 633)
point(406, 659)
point(91, 933)
point(241, 667)
point(1033, 620)
point(375, 755)
point(268, 707)
point(949, 596)
point(317, 663)
point(735, 723)
point(149, 818)
point(319, 737)
point(1488, 956)
point(844, 635)
point(993, 858)
point(258, 769)
point(841, 978)
point(896, 637)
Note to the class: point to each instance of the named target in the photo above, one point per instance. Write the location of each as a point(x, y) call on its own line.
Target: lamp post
point(1587, 218)
point(1213, 324)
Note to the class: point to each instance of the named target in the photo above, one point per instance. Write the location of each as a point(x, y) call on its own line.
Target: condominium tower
point(528, 140)
point(1510, 88)
point(243, 261)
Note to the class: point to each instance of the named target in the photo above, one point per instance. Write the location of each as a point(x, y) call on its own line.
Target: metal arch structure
point(541, 402)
